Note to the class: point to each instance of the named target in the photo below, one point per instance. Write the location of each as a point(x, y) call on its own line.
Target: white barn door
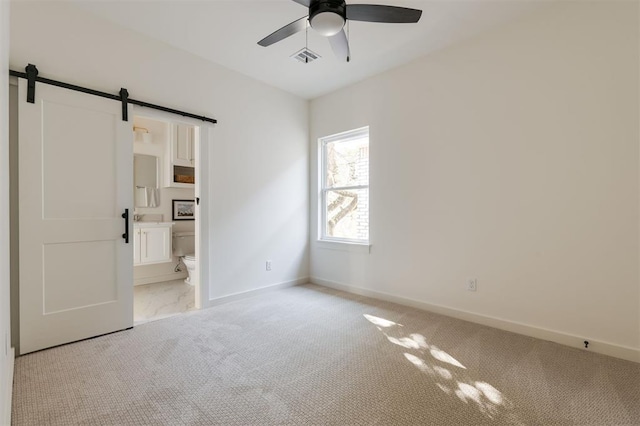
point(76, 180)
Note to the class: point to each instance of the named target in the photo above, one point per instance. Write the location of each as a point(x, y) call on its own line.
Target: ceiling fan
point(328, 18)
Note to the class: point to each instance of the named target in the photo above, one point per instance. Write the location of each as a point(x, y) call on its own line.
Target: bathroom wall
point(159, 147)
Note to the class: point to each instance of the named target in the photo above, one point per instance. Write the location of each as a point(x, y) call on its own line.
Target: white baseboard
point(160, 278)
point(623, 352)
point(6, 420)
point(257, 291)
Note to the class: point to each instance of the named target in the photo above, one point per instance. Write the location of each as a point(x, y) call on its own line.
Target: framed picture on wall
point(183, 210)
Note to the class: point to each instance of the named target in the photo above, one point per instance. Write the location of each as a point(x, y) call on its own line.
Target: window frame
point(323, 190)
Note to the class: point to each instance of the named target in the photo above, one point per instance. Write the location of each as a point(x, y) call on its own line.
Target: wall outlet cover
point(472, 284)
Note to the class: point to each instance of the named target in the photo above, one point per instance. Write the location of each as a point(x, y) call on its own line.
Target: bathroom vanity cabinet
point(152, 243)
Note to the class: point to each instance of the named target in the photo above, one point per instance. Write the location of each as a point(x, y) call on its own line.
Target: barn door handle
point(125, 216)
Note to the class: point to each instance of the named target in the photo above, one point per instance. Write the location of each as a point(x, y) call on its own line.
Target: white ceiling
point(227, 31)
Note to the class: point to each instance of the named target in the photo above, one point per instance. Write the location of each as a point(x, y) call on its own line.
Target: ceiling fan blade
point(306, 3)
point(340, 46)
point(284, 32)
point(381, 13)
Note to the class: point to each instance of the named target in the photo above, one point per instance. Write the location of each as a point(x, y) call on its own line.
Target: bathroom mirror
point(145, 178)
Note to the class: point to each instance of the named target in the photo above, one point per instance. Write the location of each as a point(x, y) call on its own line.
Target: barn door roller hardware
point(31, 74)
point(124, 98)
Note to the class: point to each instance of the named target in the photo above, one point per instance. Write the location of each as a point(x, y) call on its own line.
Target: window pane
point(348, 214)
point(347, 163)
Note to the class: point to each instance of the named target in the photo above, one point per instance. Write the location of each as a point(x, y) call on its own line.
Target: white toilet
point(184, 247)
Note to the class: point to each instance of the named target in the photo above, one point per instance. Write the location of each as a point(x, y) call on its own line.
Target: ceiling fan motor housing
point(327, 16)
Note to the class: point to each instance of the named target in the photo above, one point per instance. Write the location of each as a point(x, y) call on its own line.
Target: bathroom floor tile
point(161, 300)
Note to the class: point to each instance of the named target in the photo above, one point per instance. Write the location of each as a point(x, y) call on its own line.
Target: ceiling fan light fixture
point(328, 18)
point(327, 23)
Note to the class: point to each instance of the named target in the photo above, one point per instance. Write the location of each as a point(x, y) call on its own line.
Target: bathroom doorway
point(166, 220)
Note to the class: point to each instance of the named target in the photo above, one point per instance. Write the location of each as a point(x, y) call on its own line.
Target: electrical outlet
point(268, 265)
point(472, 284)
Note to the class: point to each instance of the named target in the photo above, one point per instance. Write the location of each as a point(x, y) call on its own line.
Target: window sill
point(344, 246)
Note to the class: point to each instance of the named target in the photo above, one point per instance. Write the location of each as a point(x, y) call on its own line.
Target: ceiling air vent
point(305, 55)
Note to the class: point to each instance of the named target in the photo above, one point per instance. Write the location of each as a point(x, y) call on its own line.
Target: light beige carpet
point(312, 356)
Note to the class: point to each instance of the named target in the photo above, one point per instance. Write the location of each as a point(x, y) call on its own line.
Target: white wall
point(258, 163)
point(513, 158)
point(6, 353)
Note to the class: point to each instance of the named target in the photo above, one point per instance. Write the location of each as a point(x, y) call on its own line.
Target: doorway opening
point(165, 218)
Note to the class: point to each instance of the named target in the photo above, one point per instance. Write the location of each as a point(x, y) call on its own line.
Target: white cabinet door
point(182, 145)
point(76, 180)
point(155, 244)
point(136, 247)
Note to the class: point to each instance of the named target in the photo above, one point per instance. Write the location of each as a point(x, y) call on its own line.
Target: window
point(344, 192)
